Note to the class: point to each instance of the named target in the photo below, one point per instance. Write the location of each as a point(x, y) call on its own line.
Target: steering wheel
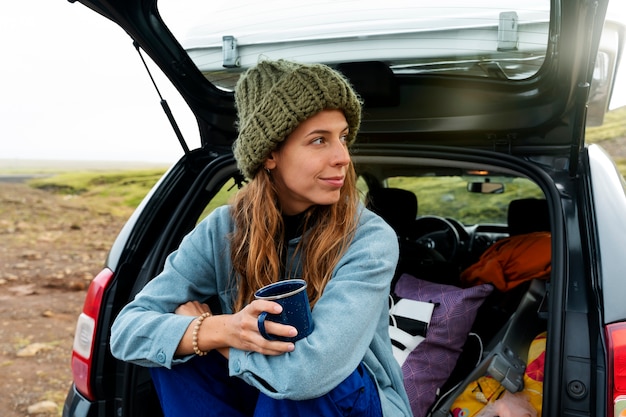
point(438, 234)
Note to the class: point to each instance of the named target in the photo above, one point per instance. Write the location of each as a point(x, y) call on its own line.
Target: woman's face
point(310, 166)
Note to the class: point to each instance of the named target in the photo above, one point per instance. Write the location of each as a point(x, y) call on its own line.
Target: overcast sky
point(73, 87)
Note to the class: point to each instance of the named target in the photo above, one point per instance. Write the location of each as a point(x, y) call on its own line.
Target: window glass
point(460, 199)
point(506, 39)
point(222, 197)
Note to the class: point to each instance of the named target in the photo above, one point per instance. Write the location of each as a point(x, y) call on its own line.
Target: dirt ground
point(51, 247)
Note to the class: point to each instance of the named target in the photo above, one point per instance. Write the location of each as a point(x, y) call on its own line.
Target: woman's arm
point(148, 331)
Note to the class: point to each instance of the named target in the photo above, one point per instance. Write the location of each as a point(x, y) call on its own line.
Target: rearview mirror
point(486, 187)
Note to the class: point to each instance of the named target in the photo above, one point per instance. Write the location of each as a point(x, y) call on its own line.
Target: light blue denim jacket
point(351, 318)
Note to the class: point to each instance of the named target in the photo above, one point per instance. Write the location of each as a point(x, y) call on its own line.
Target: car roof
point(485, 74)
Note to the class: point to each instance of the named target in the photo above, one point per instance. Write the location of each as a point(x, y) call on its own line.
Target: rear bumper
point(78, 406)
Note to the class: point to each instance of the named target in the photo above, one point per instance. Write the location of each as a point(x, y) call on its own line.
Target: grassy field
point(614, 126)
point(115, 192)
point(127, 187)
point(118, 192)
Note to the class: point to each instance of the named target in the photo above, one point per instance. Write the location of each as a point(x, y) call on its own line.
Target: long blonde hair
point(258, 238)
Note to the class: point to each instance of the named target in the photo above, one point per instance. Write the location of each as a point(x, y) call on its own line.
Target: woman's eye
point(344, 138)
point(318, 141)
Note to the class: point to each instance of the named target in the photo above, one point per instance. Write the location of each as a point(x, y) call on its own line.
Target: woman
point(298, 217)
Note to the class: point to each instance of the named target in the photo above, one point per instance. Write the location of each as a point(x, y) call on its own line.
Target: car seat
point(528, 215)
point(398, 207)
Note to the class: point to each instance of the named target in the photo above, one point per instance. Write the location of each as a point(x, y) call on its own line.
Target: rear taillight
point(616, 340)
point(86, 327)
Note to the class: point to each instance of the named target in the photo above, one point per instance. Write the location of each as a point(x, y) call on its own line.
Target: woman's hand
point(245, 333)
point(239, 330)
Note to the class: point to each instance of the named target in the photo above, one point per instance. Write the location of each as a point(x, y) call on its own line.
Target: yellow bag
point(486, 396)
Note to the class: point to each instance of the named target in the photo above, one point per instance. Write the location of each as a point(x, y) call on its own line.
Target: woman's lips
point(334, 181)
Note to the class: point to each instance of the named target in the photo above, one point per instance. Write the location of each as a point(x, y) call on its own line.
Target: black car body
point(469, 116)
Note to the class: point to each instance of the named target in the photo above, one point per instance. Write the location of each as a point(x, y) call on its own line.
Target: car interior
point(438, 246)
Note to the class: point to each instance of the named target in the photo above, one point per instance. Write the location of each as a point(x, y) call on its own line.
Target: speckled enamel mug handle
point(261, 324)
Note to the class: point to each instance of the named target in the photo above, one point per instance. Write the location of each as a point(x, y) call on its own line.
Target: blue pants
point(201, 387)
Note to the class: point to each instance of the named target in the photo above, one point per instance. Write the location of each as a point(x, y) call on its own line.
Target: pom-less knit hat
point(274, 97)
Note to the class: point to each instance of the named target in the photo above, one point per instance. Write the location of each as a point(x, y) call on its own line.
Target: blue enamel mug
point(291, 295)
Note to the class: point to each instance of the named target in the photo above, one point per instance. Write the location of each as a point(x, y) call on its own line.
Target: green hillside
point(614, 127)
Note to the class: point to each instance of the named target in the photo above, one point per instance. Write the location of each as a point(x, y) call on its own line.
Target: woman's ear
point(270, 162)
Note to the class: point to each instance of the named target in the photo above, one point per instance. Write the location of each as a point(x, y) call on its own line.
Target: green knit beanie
point(274, 97)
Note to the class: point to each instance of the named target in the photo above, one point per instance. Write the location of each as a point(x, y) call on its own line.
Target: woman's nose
point(341, 156)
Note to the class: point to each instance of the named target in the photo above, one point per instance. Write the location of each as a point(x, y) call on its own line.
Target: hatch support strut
point(579, 127)
point(166, 107)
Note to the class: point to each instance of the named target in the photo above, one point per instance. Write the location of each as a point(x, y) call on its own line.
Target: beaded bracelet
point(196, 329)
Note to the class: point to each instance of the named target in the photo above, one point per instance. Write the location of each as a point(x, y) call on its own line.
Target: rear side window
point(223, 196)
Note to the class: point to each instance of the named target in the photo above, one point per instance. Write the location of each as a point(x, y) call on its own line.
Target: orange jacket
point(511, 261)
